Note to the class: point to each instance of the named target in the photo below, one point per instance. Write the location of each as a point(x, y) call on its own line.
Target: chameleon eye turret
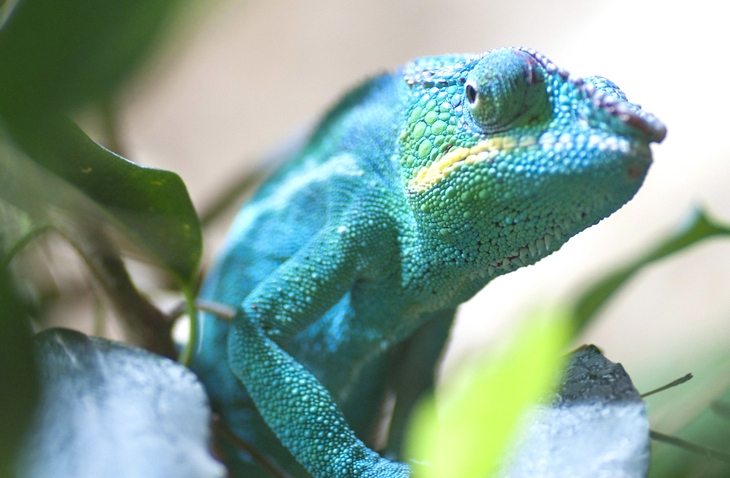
point(504, 88)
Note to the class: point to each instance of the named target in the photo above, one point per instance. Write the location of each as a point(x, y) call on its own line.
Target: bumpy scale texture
point(416, 190)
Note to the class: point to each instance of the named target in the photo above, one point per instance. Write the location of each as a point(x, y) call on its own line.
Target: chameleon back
point(287, 211)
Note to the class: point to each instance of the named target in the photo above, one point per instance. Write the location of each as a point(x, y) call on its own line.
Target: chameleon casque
point(417, 189)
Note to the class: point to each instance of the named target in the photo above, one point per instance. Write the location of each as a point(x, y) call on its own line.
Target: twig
point(223, 431)
point(145, 324)
point(221, 311)
point(228, 197)
point(691, 447)
point(679, 381)
point(266, 165)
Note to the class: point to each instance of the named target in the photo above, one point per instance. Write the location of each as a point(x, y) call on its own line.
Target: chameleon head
point(506, 156)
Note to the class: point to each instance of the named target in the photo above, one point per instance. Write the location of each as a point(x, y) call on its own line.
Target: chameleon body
point(416, 190)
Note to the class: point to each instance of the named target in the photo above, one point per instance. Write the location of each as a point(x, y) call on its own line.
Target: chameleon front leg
point(294, 404)
point(412, 373)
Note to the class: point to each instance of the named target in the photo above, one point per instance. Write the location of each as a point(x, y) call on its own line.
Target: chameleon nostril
point(647, 124)
point(636, 171)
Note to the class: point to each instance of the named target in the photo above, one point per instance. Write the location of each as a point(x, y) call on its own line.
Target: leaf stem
point(222, 311)
point(24, 241)
point(191, 311)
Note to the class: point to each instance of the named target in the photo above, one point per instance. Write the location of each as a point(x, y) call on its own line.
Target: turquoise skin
point(416, 190)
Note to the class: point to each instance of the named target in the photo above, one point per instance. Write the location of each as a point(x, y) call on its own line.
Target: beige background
point(247, 74)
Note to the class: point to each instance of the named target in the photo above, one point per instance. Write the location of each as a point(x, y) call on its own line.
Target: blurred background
point(241, 77)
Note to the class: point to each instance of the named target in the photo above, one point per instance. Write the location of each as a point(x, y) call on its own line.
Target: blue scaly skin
point(413, 193)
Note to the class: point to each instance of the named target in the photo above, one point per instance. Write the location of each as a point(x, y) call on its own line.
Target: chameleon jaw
point(541, 247)
point(568, 224)
point(530, 253)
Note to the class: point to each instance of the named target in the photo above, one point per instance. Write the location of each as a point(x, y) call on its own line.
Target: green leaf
point(18, 382)
point(57, 55)
point(141, 414)
point(150, 206)
point(477, 414)
point(699, 227)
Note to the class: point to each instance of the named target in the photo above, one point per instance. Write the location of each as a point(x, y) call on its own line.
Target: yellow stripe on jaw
point(429, 176)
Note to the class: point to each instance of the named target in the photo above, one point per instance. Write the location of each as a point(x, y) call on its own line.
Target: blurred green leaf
point(17, 230)
point(18, 383)
point(57, 55)
point(15, 226)
point(150, 206)
point(467, 434)
point(230, 195)
point(700, 226)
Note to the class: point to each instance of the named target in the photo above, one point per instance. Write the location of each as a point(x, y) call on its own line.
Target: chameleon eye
point(471, 93)
point(503, 88)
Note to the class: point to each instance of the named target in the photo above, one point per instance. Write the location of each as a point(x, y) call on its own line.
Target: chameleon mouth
point(530, 253)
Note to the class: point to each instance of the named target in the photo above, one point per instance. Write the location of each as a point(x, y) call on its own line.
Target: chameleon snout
point(609, 105)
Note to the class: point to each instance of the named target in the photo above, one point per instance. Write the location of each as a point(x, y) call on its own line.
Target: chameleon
point(414, 191)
